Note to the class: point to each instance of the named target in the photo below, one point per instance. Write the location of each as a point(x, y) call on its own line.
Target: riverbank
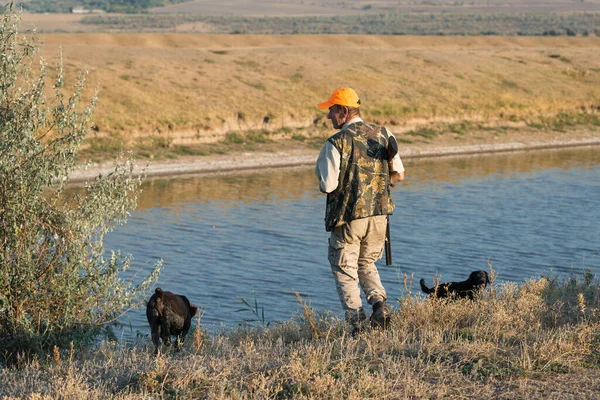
point(239, 160)
point(536, 340)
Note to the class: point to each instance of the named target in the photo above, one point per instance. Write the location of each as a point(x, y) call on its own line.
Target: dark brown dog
point(169, 315)
point(477, 281)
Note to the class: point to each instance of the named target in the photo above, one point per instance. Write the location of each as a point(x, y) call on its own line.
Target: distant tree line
point(111, 6)
point(525, 24)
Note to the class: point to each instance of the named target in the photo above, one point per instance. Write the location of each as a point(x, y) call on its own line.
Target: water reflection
point(456, 169)
point(291, 183)
point(282, 184)
point(261, 235)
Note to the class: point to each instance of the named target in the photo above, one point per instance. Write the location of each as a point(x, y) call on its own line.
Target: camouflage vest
point(363, 188)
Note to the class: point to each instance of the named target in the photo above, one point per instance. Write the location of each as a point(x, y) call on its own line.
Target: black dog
point(169, 315)
point(477, 281)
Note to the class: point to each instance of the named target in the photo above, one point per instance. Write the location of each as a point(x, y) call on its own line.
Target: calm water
point(261, 236)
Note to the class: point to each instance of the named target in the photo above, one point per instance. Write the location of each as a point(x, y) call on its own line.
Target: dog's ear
point(193, 309)
point(158, 291)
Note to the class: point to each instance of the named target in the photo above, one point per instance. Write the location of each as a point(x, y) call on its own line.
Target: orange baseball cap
point(343, 97)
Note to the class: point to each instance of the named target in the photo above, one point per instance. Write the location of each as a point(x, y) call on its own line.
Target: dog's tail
point(424, 288)
point(193, 309)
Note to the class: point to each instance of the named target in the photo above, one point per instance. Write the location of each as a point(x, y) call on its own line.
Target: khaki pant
point(353, 249)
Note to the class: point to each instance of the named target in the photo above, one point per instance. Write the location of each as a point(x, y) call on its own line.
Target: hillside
point(171, 90)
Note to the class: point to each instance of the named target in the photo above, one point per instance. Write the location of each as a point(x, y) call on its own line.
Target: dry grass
point(538, 340)
point(55, 22)
point(193, 89)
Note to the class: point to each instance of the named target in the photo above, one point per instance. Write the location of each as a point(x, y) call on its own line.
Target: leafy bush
point(56, 285)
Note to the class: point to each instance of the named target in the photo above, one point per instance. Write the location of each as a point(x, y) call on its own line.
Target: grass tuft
point(537, 339)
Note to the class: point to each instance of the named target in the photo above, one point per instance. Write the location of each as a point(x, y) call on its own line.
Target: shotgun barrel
point(392, 150)
point(388, 244)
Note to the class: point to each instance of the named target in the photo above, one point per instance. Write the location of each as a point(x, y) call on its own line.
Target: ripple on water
point(261, 237)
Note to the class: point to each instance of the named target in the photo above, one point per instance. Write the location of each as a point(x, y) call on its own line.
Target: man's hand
point(396, 177)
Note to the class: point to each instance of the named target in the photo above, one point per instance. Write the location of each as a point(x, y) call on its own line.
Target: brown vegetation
point(536, 340)
point(161, 91)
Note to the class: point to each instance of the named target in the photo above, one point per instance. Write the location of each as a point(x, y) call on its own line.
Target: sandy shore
point(252, 161)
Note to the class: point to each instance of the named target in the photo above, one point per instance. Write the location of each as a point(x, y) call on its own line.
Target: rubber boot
point(356, 318)
point(381, 315)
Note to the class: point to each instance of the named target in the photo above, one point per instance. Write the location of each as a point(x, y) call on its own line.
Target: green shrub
point(258, 136)
point(425, 132)
point(57, 285)
point(234, 138)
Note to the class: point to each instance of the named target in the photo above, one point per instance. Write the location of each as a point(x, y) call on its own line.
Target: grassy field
point(275, 8)
point(197, 94)
point(397, 23)
point(366, 7)
point(537, 340)
point(403, 17)
point(425, 22)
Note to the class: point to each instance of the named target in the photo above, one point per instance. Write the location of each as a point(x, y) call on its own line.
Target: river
point(260, 236)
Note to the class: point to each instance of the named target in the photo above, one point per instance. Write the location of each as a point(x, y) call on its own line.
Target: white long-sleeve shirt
point(328, 163)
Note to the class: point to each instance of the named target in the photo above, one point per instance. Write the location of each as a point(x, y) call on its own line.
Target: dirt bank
point(236, 161)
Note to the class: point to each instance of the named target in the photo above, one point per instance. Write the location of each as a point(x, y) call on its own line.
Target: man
point(356, 168)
